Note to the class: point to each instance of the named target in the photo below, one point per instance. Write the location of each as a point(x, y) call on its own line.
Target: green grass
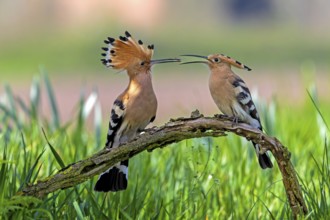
point(206, 178)
point(79, 50)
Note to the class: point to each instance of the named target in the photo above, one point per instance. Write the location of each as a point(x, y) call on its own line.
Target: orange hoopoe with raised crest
point(134, 108)
point(232, 96)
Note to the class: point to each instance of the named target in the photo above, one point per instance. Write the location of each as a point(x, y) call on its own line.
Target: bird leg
point(235, 120)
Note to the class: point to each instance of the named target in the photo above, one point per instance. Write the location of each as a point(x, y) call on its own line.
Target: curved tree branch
point(174, 131)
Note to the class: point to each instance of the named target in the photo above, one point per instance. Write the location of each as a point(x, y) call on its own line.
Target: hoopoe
point(134, 108)
point(232, 96)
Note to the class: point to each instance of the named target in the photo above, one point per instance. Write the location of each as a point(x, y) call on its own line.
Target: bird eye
point(142, 63)
point(216, 60)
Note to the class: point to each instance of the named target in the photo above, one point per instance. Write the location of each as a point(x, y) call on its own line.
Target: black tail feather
point(114, 179)
point(264, 160)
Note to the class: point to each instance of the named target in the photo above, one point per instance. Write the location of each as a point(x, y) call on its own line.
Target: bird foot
point(235, 121)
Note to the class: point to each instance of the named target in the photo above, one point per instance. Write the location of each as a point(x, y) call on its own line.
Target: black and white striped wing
point(244, 98)
point(115, 178)
point(116, 119)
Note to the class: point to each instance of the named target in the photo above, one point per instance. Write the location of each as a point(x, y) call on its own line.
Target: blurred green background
point(286, 44)
point(51, 77)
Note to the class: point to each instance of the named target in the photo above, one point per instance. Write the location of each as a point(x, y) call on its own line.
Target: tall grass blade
point(81, 120)
point(98, 124)
point(80, 215)
point(318, 109)
point(6, 117)
point(29, 175)
point(35, 97)
point(56, 155)
point(3, 171)
point(24, 107)
point(126, 215)
point(52, 101)
point(12, 106)
point(25, 157)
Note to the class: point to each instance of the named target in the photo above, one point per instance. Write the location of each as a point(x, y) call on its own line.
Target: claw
point(235, 120)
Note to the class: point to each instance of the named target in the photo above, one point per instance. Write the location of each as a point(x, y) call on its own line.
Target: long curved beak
point(169, 60)
point(192, 55)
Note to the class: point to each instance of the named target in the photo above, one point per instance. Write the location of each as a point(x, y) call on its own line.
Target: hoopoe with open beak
point(134, 108)
point(232, 96)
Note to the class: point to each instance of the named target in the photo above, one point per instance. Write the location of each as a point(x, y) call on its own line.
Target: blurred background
point(286, 43)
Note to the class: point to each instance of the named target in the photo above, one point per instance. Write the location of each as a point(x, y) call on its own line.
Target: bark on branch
point(174, 131)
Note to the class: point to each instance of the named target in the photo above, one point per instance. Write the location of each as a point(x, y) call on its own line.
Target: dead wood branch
point(174, 131)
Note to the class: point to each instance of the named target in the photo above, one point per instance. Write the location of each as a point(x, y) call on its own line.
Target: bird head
point(217, 60)
point(125, 53)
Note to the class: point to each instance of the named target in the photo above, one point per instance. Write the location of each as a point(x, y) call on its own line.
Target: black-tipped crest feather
point(125, 51)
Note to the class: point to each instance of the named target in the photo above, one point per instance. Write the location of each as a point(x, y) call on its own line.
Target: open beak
point(169, 60)
point(192, 55)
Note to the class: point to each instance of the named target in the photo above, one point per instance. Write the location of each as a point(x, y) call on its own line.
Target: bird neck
point(140, 82)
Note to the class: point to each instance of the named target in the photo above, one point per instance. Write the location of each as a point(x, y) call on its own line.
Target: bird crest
point(233, 62)
point(217, 58)
point(125, 51)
